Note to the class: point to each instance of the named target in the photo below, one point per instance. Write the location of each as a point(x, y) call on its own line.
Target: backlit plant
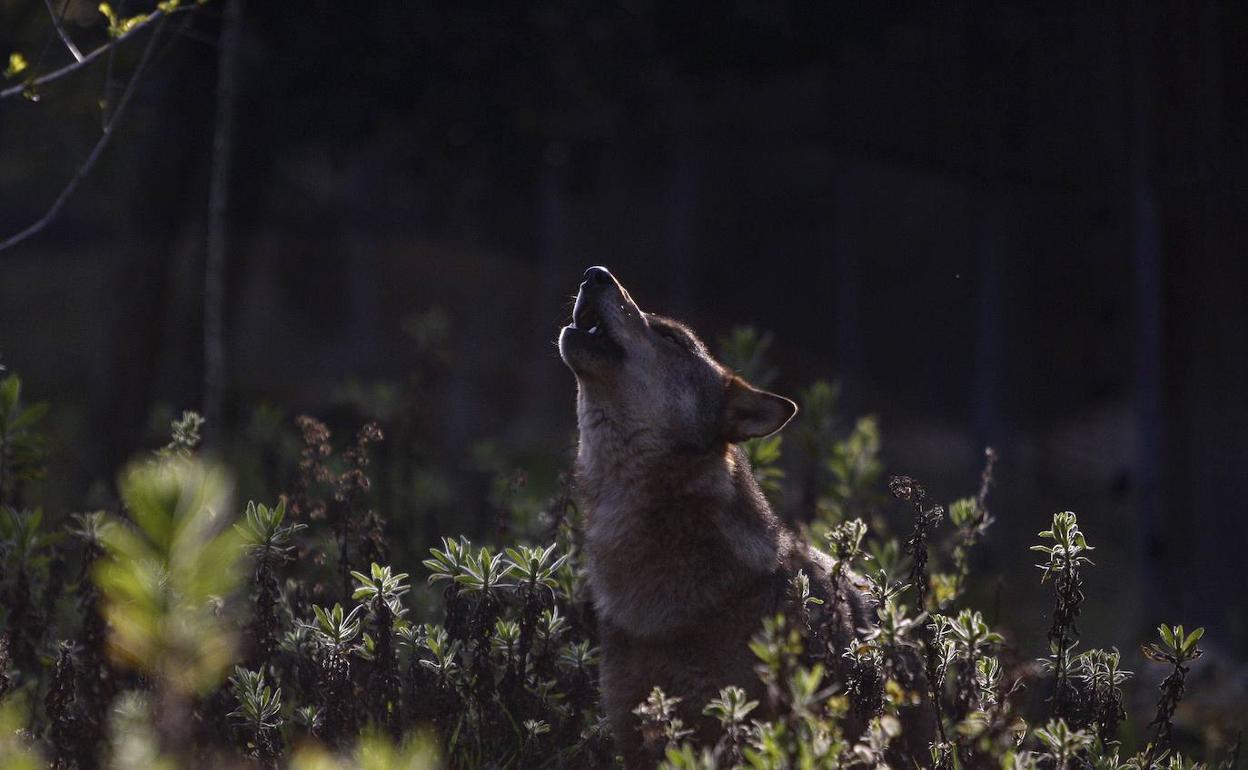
point(118, 639)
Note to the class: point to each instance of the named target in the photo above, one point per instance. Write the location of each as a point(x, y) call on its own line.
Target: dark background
point(1016, 225)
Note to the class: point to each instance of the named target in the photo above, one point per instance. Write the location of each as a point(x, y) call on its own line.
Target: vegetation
point(183, 630)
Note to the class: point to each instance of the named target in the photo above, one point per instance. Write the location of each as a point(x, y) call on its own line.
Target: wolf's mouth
point(590, 331)
point(585, 317)
point(598, 330)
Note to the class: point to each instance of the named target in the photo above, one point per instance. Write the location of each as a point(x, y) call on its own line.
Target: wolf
point(684, 555)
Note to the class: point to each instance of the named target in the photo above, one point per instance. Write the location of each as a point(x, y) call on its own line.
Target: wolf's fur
point(685, 556)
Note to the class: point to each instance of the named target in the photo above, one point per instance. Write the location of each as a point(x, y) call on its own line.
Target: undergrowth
point(181, 629)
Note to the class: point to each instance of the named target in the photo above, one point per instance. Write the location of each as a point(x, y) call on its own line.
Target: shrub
point(198, 634)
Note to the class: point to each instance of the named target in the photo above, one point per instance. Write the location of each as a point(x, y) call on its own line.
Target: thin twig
point(106, 98)
point(60, 30)
point(96, 151)
point(68, 69)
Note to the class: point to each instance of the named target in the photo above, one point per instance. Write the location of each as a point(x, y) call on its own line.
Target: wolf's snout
point(596, 277)
point(605, 320)
point(587, 314)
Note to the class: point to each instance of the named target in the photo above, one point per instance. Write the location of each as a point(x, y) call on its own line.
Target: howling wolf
point(684, 555)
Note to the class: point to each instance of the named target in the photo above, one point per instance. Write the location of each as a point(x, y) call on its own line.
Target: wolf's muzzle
point(597, 277)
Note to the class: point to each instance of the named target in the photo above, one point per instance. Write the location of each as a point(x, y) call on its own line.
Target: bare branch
point(73, 67)
point(60, 30)
point(96, 151)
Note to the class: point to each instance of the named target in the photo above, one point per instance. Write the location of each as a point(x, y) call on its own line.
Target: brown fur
point(685, 556)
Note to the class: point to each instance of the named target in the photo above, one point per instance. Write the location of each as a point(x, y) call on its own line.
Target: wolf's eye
point(669, 335)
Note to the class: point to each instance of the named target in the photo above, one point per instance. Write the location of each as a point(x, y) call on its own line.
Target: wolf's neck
point(618, 456)
point(669, 535)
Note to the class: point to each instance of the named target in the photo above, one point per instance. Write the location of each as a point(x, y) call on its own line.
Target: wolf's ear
point(750, 412)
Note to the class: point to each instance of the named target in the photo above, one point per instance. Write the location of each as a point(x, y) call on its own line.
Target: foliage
point(494, 662)
point(1065, 561)
point(382, 586)
point(168, 569)
point(259, 709)
point(264, 532)
point(745, 352)
point(1176, 649)
point(185, 435)
point(17, 65)
point(22, 451)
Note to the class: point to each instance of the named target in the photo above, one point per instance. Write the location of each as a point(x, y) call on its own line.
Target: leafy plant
point(265, 533)
point(22, 450)
point(535, 566)
point(661, 728)
point(484, 573)
point(854, 471)
point(166, 570)
point(259, 711)
point(1066, 558)
point(185, 436)
point(448, 562)
point(497, 665)
point(381, 587)
point(1063, 744)
point(744, 351)
point(1177, 648)
point(731, 708)
point(336, 628)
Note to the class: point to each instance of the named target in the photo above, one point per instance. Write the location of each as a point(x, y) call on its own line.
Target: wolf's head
point(650, 382)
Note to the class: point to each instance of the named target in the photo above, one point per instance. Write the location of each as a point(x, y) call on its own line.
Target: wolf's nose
point(597, 276)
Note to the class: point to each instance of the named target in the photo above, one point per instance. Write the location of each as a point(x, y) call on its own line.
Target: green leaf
point(17, 65)
point(1191, 640)
point(1167, 635)
point(10, 391)
point(109, 14)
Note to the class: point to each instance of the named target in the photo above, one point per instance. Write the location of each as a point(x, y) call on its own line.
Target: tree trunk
point(218, 221)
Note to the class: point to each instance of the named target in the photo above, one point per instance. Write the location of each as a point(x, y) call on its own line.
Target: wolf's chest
point(653, 570)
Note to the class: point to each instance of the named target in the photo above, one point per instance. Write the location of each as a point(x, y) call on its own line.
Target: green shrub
point(203, 633)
